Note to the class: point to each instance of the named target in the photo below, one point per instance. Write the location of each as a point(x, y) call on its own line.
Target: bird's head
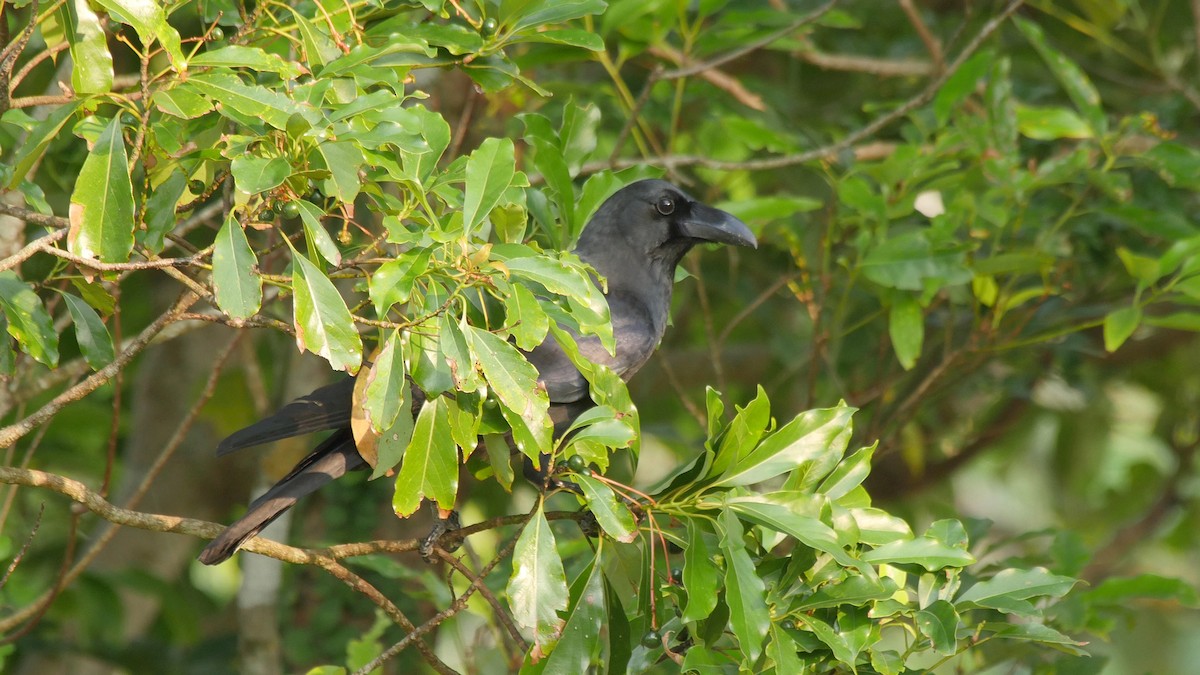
point(659, 222)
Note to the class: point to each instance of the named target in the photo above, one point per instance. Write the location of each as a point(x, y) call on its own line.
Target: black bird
point(635, 241)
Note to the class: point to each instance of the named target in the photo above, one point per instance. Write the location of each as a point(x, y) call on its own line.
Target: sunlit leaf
point(537, 589)
point(102, 202)
point(28, 320)
point(323, 323)
point(490, 171)
point(430, 466)
point(235, 280)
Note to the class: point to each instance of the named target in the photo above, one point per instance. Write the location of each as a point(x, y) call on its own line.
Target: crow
point(635, 240)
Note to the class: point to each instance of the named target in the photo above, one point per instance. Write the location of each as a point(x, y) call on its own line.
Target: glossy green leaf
point(906, 327)
point(387, 388)
point(90, 332)
point(744, 590)
point(160, 210)
point(457, 354)
point(1035, 632)
point(849, 474)
point(323, 323)
point(28, 320)
point(782, 651)
point(102, 202)
point(91, 62)
point(239, 56)
point(939, 622)
point(568, 36)
point(700, 575)
point(961, 84)
point(259, 174)
point(582, 645)
point(743, 433)
point(343, 159)
point(235, 278)
point(810, 445)
point(926, 552)
point(537, 589)
point(314, 230)
point(182, 101)
point(525, 317)
point(250, 100)
point(524, 14)
point(855, 590)
point(430, 466)
point(30, 152)
point(490, 170)
point(777, 516)
point(149, 20)
point(909, 261)
point(614, 517)
point(514, 382)
point(1010, 588)
point(498, 453)
point(393, 282)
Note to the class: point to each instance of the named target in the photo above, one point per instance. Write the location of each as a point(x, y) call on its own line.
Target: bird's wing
point(327, 462)
point(326, 408)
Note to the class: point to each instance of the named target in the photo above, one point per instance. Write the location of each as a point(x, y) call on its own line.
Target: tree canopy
point(942, 419)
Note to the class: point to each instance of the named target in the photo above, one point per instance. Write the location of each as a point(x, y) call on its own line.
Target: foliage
point(979, 229)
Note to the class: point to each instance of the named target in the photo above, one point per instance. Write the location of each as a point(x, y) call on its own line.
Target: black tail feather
point(326, 408)
point(329, 461)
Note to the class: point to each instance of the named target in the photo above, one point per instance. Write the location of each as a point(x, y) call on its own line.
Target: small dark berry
point(290, 210)
point(677, 575)
point(576, 463)
point(196, 186)
point(651, 640)
point(216, 34)
point(489, 26)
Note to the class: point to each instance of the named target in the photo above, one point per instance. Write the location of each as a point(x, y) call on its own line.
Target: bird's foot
point(441, 525)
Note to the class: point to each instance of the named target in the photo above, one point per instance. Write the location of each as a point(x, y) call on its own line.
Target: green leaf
point(1051, 123)
point(1034, 632)
point(524, 314)
point(1072, 78)
point(393, 282)
point(537, 590)
point(90, 332)
point(490, 170)
point(906, 327)
point(387, 388)
point(773, 208)
point(778, 516)
point(181, 101)
point(238, 56)
point(849, 474)
point(829, 637)
point(700, 575)
point(102, 202)
point(149, 20)
point(613, 516)
point(514, 382)
point(92, 64)
point(1179, 166)
point(430, 466)
point(924, 551)
point(583, 638)
point(315, 232)
point(523, 14)
point(343, 159)
point(908, 261)
point(237, 285)
point(1119, 324)
point(855, 590)
point(323, 323)
point(572, 37)
point(28, 320)
point(250, 100)
point(961, 84)
point(1118, 591)
point(745, 591)
point(783, 651)
point(457, 355)
point(259, 174)
point(743, 433)
point(31, 151)
point(939, 622)
point(498, 452)
point(160, 210)
point(809, 446)
point(1010, 588)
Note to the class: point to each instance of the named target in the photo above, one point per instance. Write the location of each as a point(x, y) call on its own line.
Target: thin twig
point(932, 44)
point(498, 607)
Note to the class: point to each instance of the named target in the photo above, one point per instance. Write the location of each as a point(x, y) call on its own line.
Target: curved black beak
point(708, 224)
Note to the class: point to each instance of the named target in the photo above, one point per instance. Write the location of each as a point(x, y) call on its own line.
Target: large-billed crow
point(635, 241)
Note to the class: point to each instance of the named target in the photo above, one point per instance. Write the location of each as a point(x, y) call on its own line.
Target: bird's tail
point(328, 461)
point(326, 408)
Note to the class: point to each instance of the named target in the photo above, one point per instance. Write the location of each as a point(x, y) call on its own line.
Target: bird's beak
point(708, 224)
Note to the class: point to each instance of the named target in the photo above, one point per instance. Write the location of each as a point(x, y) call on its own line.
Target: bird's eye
point(665, 206)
